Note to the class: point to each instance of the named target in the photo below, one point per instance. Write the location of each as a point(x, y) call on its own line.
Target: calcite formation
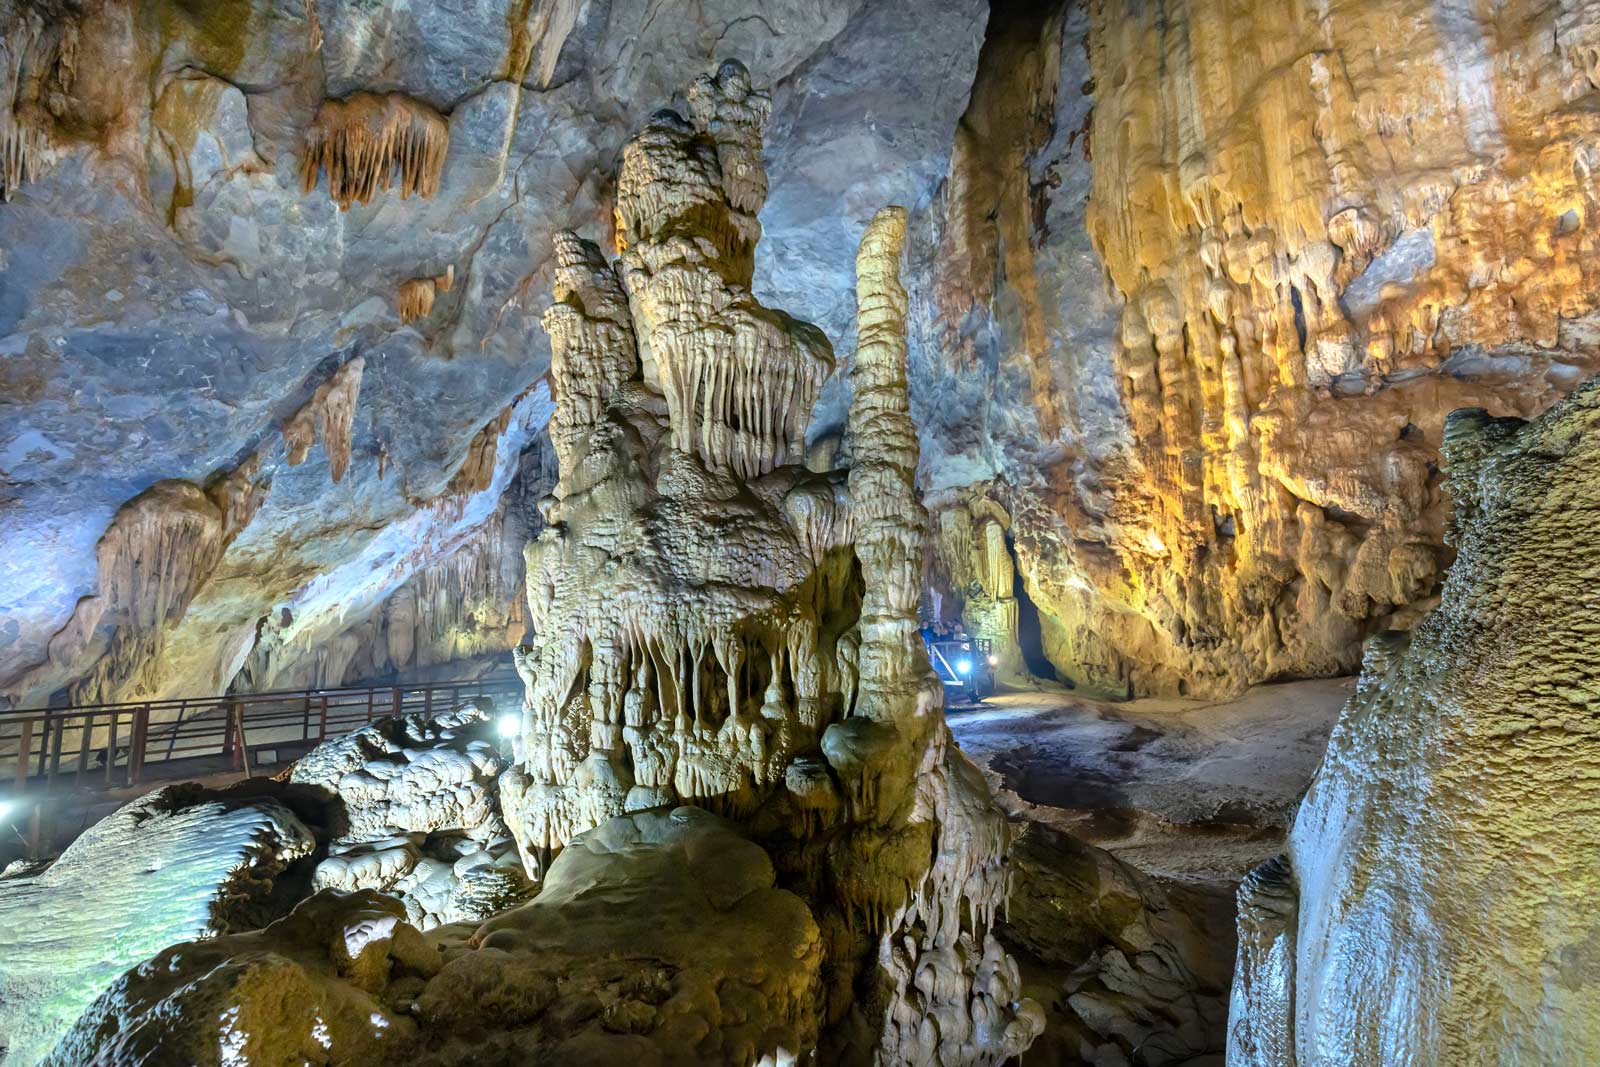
point(1319, 241)
point(657, 938)
point(369, 141)
point(414, 299)
point(174, 294)
point(1433, 906)
point(173, 865)
point(718, 625)
point(421, 816)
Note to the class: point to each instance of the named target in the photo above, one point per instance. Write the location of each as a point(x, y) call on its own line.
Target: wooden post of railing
point(427, 700)
point(322, 718)
point(55, 749)
point(370, 695)
point(242, 746)
point(172, 734)
point(305, 719)
point(111, 749)
point(24, 754)
point(141, 733)
point(455, 697)
point(394, 706)
point(85, 729)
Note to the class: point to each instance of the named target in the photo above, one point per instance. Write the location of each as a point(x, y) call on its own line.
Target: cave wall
point(178, 309)
point(1208, 277)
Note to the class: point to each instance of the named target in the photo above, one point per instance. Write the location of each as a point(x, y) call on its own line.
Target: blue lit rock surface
point(1436, 905)
point(173, 865)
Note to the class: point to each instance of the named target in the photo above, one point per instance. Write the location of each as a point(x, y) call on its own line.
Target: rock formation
point(368, 141)
point(175, 864)
point(421, 816)
point(718, 625)
point(174, 295)
point(1432, 906)
point(1318, 243)
point(659, 938)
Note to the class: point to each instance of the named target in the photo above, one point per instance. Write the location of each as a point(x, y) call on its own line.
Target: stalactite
point(368, 140)
point(327, 417)
point(415, 297)
point(700, 626)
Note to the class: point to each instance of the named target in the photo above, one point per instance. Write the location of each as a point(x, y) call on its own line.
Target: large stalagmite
point(718, 625)
point(1436, 902)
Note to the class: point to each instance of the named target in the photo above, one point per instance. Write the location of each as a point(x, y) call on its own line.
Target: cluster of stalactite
point(368, 141)
point(326, 416)
point(715, 624)
point(414, 299)
point(38, 56)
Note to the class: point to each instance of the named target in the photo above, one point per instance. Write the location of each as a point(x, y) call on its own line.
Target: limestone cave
point(945, 533)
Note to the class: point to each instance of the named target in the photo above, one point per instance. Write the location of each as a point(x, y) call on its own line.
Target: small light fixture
point(964, 666)
point(5, 810)
point(508, 725)
point(994, 661)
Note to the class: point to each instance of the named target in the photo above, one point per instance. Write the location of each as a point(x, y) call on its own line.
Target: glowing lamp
point(964, 666)
point(508, 725)
point(5, 810)
point(994, 661)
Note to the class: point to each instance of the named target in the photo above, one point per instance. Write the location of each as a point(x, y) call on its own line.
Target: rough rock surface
point(1434, 904)
point(1324, 229)
point(659, 938)
point(716, 623)
point(420, 805)
point(178, 863)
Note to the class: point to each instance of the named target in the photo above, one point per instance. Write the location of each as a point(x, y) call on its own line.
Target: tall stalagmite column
point(887, 516)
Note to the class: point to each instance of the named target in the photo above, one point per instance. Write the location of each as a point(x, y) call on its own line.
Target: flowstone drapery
point(717, 625)
point(1436, 901)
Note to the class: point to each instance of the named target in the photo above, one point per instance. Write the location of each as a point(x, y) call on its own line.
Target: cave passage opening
point(1030, 631)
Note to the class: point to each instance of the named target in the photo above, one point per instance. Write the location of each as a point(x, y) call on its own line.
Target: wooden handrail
point(141, 738)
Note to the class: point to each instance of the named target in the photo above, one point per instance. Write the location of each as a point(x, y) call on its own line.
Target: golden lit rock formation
point(1257, 182)
point(1326, 228)
point(368, 141)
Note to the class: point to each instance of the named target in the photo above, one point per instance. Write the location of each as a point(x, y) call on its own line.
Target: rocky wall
point(286, 249)
point(1207, 279)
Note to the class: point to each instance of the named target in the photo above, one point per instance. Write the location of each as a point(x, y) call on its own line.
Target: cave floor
point(1189, 791)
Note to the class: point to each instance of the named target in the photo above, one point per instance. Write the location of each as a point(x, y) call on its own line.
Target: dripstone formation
point(1435, 902)
point(719, 625)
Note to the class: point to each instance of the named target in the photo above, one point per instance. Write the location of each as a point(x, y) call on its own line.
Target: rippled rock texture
point(179, 863)
point(1434, 903)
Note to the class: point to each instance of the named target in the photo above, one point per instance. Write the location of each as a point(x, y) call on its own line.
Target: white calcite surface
point(419, 800)
point(176, 864)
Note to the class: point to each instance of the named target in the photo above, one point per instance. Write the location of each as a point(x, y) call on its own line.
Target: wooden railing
point(114, 745)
